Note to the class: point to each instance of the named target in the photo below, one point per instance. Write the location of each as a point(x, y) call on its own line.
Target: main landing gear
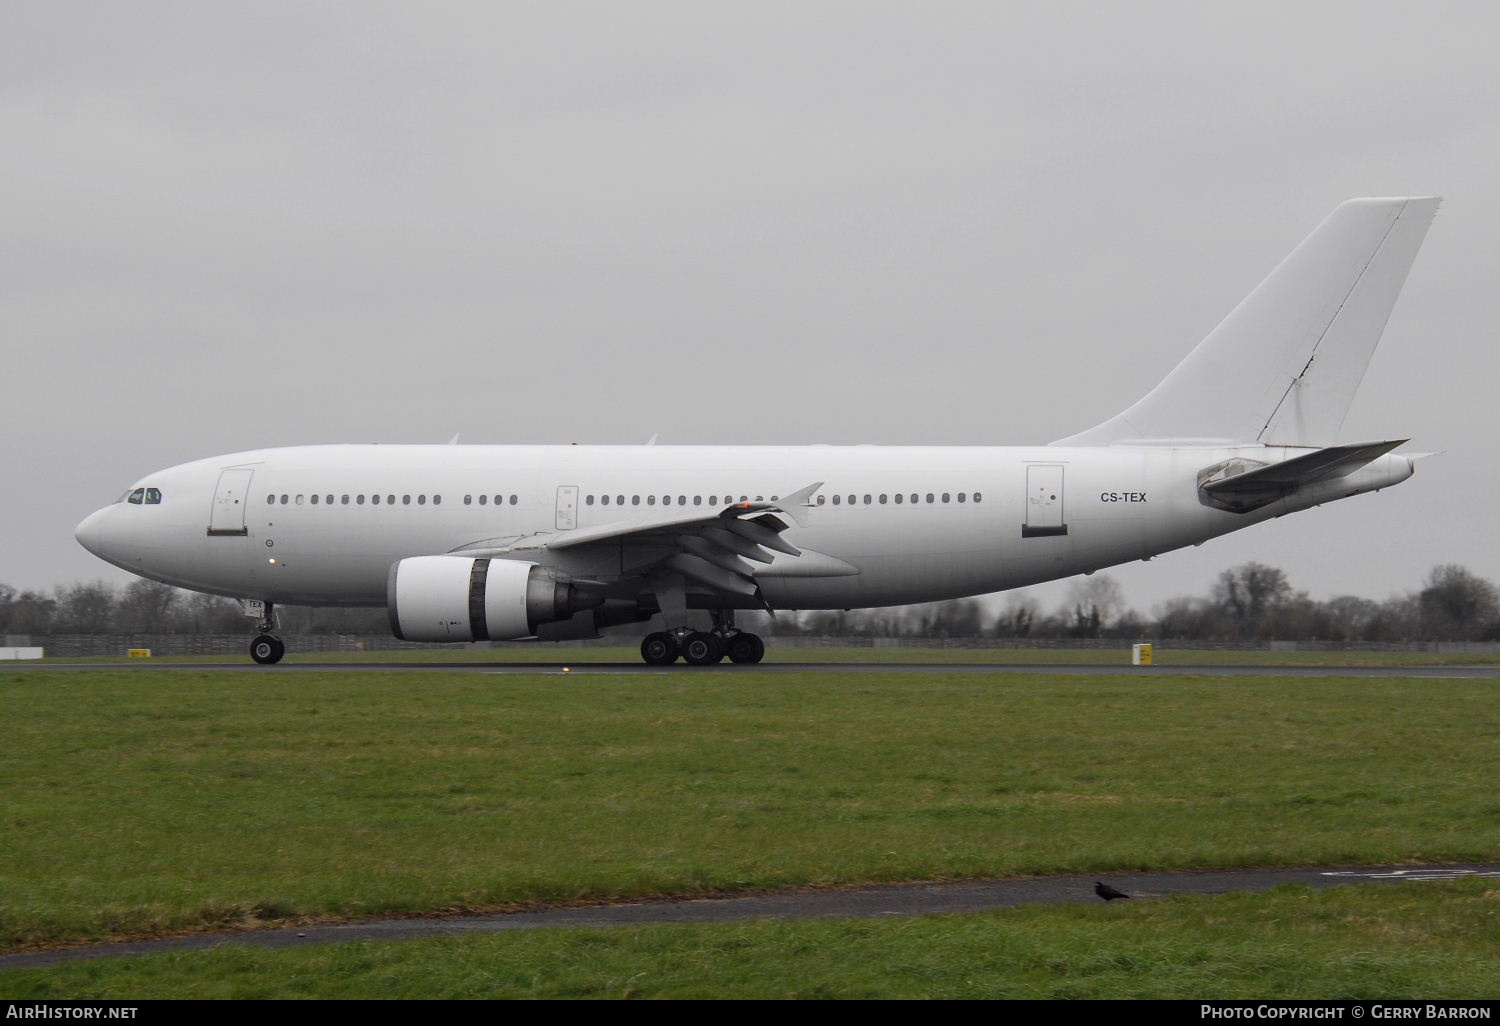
point(703, 648)
point(265, 647)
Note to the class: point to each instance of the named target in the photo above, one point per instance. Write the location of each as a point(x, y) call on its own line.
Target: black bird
point(1107, 892)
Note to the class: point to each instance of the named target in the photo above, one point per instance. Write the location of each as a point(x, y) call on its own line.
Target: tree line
point(1248, 602)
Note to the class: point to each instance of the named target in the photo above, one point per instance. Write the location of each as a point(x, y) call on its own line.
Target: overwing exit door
point(567, 507)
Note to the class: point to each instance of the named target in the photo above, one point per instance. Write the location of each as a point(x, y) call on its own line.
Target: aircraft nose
point(90, 533)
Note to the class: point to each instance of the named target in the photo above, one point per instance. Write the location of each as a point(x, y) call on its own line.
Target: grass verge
point(1389, 941)
point(138, 803)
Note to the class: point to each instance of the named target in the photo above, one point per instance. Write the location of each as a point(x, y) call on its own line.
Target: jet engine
point(450, 598)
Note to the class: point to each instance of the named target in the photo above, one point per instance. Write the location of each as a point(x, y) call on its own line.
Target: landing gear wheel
point(659, 649)
point(267, 649)
point(745, 648)
point(702, 649)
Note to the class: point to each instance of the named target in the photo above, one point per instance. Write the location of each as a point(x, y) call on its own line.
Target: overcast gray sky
point(229, 225)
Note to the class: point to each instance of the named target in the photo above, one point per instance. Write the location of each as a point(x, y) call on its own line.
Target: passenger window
point(851, 500)
point(635, 500)
point(359, 500)
point(604, 500)
point(328, 500)
point(483, 499)
point(898, 498)
point(682, 500)
point(977, 496)
point(270, 500)
point(468, 500)
point(882, 498)
point(929, 496)
point(697, 500)
point(375, 500)
point(390, 500)
point(914, 497)
point(513, 500)
point(961, 497)
point(651, 500)
point(344, 500)
point(314, 500)
point(299, 500)
point(499, 500)
point(945, 496)
point(136, 497)
point(421, 500)
point(589, 501)
point(836, 500)
point(867, 500)
point(820, 500)
point(619, 500)
point(437, 500)
point(406, 500)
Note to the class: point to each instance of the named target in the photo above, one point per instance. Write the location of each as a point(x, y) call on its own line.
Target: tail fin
point(1283, 367)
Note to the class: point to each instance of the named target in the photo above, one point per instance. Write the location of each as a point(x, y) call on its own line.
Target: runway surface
point(1490, 672)
point(856, 902)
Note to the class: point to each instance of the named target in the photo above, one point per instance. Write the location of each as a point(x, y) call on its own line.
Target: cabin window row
point(670, 500)
point(374, 500)
point(900, 498)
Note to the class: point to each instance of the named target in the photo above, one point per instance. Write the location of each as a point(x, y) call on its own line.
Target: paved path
point(856, 902)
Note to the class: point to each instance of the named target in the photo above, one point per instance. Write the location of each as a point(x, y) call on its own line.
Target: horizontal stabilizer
point(1238, 485)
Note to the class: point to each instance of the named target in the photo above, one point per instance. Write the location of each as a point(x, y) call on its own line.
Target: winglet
point(795, 504)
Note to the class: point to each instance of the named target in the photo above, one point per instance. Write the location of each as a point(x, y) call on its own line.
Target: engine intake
point(450, 598)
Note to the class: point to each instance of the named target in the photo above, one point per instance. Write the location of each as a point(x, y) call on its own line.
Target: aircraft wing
point(713, 548)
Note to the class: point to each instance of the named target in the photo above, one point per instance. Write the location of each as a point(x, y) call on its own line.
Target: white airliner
point(472, 543)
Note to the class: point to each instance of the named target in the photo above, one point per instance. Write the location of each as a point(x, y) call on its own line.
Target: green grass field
point(1427, 941)
point(1116, 657)
point(138, 803)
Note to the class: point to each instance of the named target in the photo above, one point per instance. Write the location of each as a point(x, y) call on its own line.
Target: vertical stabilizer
point(1283, 367)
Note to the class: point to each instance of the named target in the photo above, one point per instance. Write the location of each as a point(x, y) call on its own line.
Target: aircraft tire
point(267, 649)
point(702, 649)
point(745, 648)
point(659, 649)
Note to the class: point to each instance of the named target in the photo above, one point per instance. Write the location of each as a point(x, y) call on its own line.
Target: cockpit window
point(153, 496)
point(136, 496)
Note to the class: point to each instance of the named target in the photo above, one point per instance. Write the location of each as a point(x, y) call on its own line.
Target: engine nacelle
point(451, 598)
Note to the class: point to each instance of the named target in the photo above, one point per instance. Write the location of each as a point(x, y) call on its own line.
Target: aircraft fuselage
point(322, 525)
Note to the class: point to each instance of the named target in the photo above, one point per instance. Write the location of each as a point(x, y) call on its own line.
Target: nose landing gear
point(265, 647)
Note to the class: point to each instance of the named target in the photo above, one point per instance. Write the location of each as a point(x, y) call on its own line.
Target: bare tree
point(1094, 601)
point(1458, 605)
point(146, 607)
point(1247, 593)
point(29, 612)
point(86, 608)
